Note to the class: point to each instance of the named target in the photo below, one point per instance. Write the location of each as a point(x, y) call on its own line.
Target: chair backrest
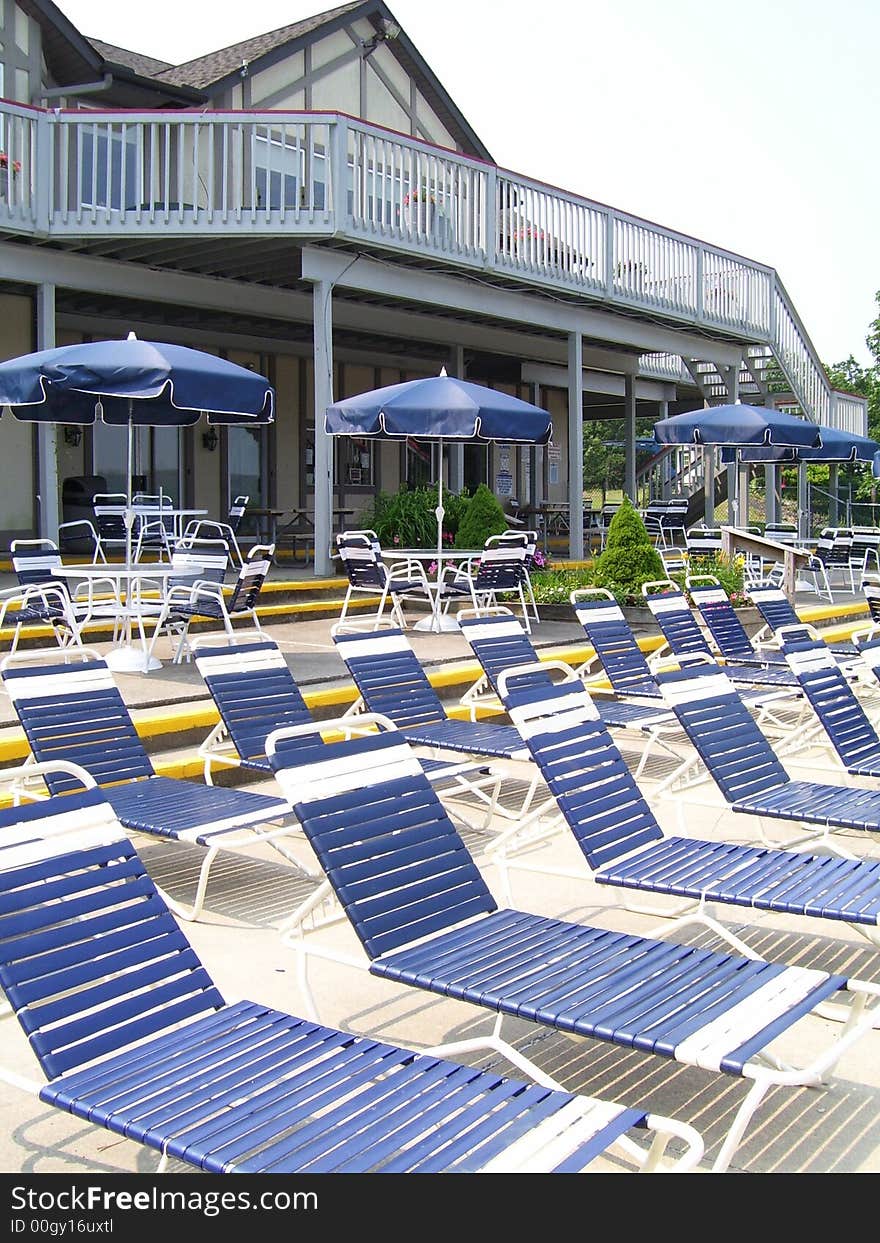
point(781, 533)
point(703, 541)
point(672, 613)
point(834, 546)
point(254, 690)
point(724, 733)
point(384, 841)
point(362, 560)
point(198, 560)
point(75, 712)
point(74, 887)
point(109, 513)
point(502, 567)
point(613, 641)
point(832, 698)
point(580, 762)
point(236, 512)
point(773, 605)
point(871, 590)
point(35, 561)
point(514, 538)
point(251, 577)
point(869, 649)
point(720, 617)
point(498, 640)
point(389, 676)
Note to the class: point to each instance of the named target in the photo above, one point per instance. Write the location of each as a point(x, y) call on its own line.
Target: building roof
point(206, 70)
point(144, 81)
point(145, 66)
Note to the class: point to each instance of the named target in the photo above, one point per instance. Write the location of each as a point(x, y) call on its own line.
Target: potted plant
point(5, 165)
point(418, 205)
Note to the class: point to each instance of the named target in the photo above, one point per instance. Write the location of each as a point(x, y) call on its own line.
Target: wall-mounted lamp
point(390, 30)
point(73, 436)
point(210, 439)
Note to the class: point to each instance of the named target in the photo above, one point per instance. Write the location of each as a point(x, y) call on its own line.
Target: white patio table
point(126, 655)
point(436, 621)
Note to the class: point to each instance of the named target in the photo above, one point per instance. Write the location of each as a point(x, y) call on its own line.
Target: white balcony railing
point(80, 173)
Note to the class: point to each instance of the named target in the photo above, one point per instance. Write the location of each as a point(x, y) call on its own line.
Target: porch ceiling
point(277, 263)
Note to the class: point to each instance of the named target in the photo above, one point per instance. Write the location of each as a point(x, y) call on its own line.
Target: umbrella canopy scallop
point(737, 424)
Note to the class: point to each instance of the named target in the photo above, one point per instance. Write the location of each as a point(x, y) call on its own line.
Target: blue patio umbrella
point(133, 383)
point(736, 425)
point(440, 408)
point(837, 446)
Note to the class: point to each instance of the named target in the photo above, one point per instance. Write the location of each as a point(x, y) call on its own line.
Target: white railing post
point(490, 217)
point(700, 291)
point(338, 136)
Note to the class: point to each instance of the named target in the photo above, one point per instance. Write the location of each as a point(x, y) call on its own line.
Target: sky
point(750, 124)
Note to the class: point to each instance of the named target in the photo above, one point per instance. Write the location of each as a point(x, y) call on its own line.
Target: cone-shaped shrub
point(629, 558)
point(482, 518)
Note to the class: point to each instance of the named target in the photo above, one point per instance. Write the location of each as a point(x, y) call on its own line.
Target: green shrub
point(482, 518)
point(728, 571)
point(407, 518)
point(629, 557)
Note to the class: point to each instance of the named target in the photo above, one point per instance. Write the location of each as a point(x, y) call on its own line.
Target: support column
point(771, 492)
point(322, 315)
point(742, 496)
point(803, 502)
point(731, 382)
point(49, 514)
point(709, 485)
point(575, 446)
point(454, 451)
point(666, 463)
point(833, 494)
point(537, 453)
point(629, 436)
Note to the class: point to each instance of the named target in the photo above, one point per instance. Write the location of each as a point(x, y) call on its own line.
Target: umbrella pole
point(129, 512)
point(440, 513)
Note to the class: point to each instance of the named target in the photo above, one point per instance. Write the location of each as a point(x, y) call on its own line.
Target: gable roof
point(215, 66)
point(145, 66)
point(145, 81)
point(208, 73)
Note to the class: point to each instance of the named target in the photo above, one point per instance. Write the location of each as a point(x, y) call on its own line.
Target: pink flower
point(4, 163)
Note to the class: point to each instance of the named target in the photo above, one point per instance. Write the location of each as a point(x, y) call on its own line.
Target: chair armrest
point(408, 570)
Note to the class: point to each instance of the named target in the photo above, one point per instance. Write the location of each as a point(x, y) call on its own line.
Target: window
point(246, 450)
point(355, 462)
point(282, 165)
point(418, 468)
point(107, 169)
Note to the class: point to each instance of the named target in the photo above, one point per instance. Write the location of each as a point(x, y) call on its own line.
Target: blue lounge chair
point(499, 642)
point(746, 768)
point(624, 662)
point(729, 634)
point(255, 692)
point(625, 847)
point(685, 637)
point(426, 919)
point(842, 718)
point(74, 712)
point(777, 610)
point(391, 682)
point(140, 1040)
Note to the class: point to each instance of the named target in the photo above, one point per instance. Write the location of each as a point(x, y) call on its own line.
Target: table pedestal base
point(443, 624)
point(126, 659)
